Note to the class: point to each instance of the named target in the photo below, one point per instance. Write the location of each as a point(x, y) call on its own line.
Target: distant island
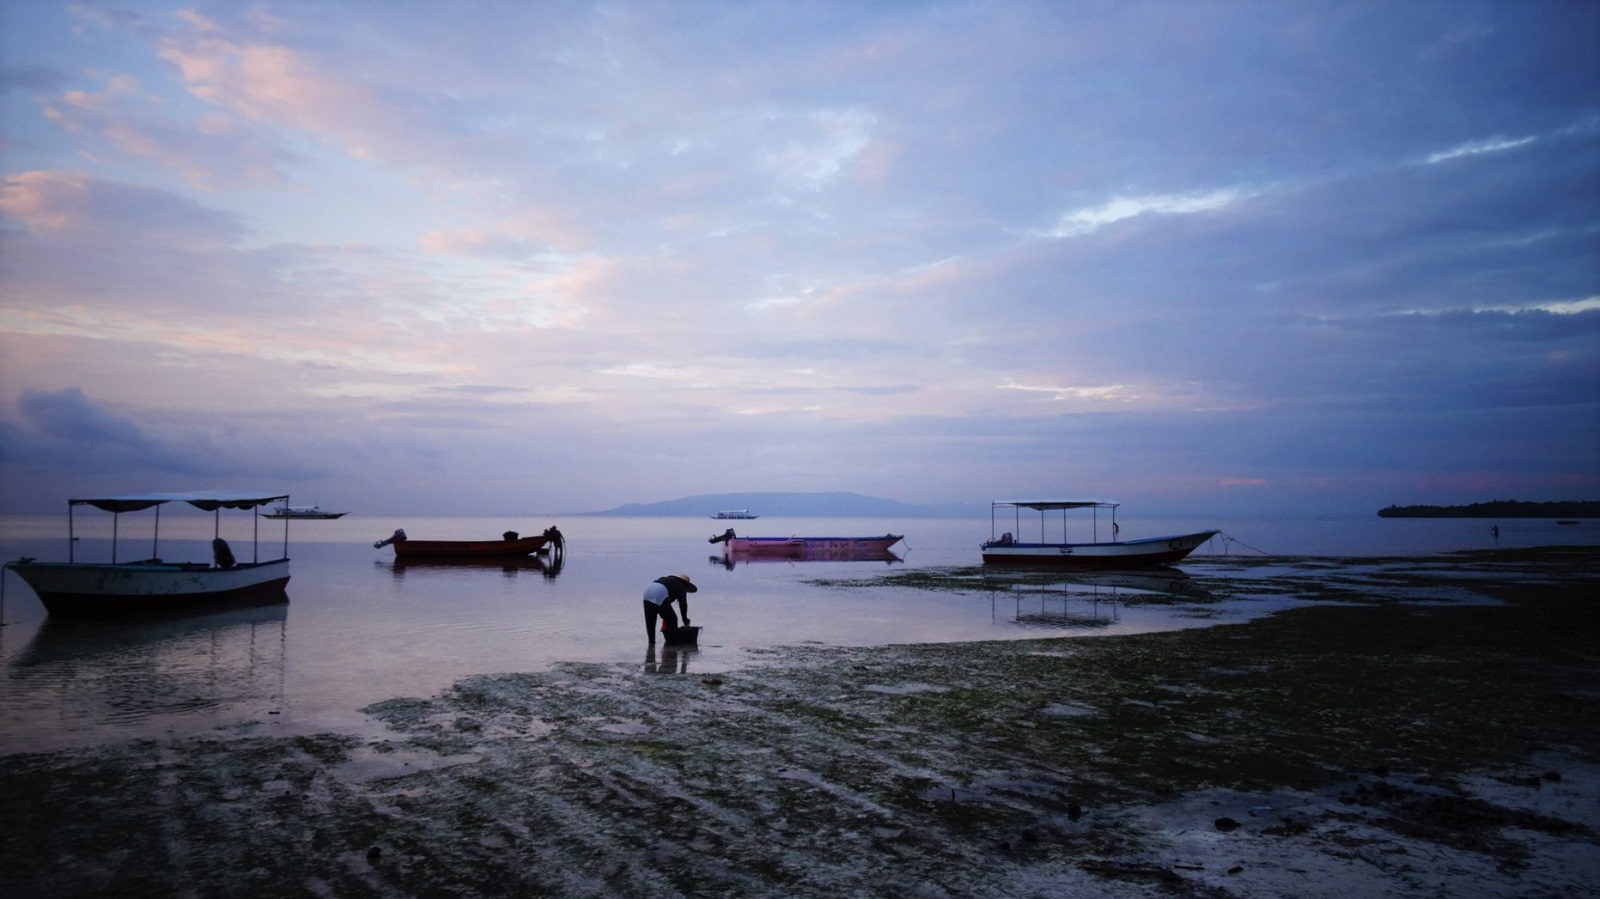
point(1499, 509)
point(806, 505)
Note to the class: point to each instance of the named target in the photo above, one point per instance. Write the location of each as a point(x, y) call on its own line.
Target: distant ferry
point(735, 513)
point(300, 512)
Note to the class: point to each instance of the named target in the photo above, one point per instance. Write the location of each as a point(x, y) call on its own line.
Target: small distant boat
point(837, 547)
point(742, 514)
point(510, 544)
point(154, 585)
point(1006, 549)
point(1566, 521)
point(300, 512)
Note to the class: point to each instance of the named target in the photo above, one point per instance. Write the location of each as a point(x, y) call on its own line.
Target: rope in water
point(1229, 540)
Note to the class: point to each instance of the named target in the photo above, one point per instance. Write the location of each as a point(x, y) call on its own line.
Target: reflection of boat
point(735, 513)
point(79, 641)
point(511, 544)
point(287, 511)
point(508, 564)
point(1154, 579)
point(838, 548)
point(1064, 618)
point(1006, 549)
point(149, 672)
point(85, 588)
point(730, 557)
point(1566, 521)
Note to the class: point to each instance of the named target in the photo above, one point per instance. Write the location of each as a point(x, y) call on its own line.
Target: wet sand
point(1415, 727)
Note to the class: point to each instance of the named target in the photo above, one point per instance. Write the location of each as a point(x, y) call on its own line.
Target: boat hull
point(1122, 554)
point(302, 516)
point(838, 547)
point(410, 550)
point(67, 588)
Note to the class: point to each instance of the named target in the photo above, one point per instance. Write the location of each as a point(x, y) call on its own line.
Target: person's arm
point(683, 606)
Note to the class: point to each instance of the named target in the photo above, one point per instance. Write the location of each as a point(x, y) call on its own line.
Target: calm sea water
point(359, 629)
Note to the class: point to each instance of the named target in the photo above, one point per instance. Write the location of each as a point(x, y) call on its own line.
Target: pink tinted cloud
point(72, 205)
point(209, 151)
point(273, 83)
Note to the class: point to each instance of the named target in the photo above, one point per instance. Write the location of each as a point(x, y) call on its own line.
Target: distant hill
point(803, 505)
point(1498, 509)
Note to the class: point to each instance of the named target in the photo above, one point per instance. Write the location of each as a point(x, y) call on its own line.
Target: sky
point(1201, 257)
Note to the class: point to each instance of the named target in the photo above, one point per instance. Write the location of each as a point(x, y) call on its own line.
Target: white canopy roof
point(209, 500)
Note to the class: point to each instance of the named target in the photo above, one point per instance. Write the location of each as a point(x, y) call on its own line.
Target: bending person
point(658, 599)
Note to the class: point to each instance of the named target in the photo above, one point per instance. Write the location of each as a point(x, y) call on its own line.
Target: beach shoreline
point(1413, 728)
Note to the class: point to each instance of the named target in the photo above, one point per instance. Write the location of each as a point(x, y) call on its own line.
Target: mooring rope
point(1229, 540)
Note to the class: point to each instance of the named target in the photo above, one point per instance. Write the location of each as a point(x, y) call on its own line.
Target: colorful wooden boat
point(154, 585)
point(1006, 549)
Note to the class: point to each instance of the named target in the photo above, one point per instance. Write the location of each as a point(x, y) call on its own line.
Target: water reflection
point(1056, 612)
point(1162, 579)
point(130, 671)
point(732, 557)
point(674, 660)
point(510, 566)
point(1062, 606)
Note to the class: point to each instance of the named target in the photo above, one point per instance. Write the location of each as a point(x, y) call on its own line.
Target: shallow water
point(359, 629)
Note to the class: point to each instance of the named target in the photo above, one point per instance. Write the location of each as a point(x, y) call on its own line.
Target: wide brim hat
point(687, 584)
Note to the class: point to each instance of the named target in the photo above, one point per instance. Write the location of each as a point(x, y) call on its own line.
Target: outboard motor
point(399, 536)
point(723, 537)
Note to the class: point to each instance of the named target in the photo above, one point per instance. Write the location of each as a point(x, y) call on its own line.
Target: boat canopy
point(208, 500)
point(1044, 505)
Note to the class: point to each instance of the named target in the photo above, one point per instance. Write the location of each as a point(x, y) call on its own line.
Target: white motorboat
point(148, 585)
point(1114, 553)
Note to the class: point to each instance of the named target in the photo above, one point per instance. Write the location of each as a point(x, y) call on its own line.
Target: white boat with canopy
point(89, 588)
point(1008, 548)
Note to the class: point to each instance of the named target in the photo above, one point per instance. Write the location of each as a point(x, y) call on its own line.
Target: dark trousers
point(651, 610)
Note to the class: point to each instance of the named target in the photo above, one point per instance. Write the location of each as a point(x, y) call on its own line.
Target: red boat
point(509, 545)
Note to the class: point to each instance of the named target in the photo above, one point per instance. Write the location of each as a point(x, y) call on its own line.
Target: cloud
point(209, 151)
point(32, 77)
point(1108, 393)
point(1089, 220)
point(86, 210)
point(63, 429)
point(1474, 148)
point(968, 238)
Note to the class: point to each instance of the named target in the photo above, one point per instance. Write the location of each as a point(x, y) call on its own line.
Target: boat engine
point(723, 537)
point(398, 536)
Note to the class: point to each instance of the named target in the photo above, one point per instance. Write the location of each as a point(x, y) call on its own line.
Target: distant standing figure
point(658, 599)
point(558, 543)
point(1495, 531)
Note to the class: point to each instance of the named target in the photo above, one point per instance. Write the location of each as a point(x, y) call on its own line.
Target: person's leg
point(651, 610)
point(670, 616)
